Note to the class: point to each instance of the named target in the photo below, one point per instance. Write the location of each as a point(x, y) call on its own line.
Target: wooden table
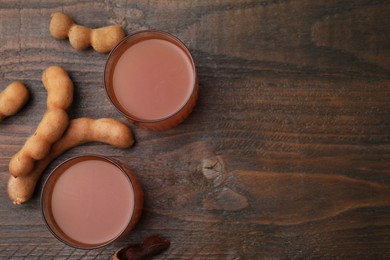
point(286, 155)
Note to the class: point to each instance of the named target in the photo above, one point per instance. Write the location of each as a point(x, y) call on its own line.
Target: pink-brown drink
point(150, 77)
point(91, 201)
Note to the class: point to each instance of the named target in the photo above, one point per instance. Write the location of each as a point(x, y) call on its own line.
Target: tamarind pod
point(80, 131)
point(53, 123)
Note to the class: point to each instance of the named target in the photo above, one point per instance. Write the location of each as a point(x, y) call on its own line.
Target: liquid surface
point(92, 202)
point(153, 79)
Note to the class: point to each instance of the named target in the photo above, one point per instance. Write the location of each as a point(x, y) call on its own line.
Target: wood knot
point(214, 169)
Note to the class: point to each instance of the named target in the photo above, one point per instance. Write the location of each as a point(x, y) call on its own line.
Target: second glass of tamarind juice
point(90, 201)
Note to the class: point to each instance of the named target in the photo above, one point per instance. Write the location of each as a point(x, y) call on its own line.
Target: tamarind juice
point(90, 202)
point(150, 77)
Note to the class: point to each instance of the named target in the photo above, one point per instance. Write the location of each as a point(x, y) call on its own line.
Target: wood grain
point(285, 156)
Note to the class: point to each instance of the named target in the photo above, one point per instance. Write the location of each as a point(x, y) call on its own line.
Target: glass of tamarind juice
point(91, 201)
point(150, 78)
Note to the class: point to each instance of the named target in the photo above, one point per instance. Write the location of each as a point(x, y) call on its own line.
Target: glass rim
point(118, 46)
point(53, 172)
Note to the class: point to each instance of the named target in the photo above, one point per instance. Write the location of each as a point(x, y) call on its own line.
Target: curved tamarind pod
point(80, 37)
point(53, 124)
point(80, 131)
point(12, 99)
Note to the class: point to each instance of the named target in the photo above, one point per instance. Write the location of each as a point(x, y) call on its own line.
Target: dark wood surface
point(286, 155)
